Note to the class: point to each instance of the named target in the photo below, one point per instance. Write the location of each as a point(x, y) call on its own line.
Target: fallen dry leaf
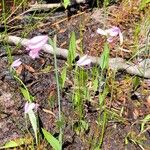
point(29, 68)
point(135, 114)
point(19, 69)
point(62, 30)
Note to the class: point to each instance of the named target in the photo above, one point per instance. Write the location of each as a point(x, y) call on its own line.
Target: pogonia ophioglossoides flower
point(111, 33)
point(30, 106)
point(35, 44)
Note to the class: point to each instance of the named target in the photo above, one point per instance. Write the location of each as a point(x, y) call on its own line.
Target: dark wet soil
point(120, 127)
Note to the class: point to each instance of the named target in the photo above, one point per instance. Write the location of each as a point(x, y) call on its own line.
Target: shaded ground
point(122, 125)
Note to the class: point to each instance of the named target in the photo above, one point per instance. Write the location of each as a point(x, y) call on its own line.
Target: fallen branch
point(142, 69)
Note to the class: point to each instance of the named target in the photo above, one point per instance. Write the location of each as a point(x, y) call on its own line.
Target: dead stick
point(142, 69)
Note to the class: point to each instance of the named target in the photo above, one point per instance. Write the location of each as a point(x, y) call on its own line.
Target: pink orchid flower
point(83, 61)
point(111, 33)
point(30, 106)
point(16, 63)
point(35, 45)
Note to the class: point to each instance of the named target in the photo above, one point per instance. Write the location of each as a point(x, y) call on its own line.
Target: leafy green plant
point(52, 140)
point(106, 3)
point(53, 43)
point(16, 143)
point(24, 90)
point(80, 127)
point(104, 60)
point(63, 76)
point(136, 83)
point(31, 114)
point(72, 49)
point(66, 3)
point(144, 121)
point(137, 140)
point(33, 120)
point(143, 4)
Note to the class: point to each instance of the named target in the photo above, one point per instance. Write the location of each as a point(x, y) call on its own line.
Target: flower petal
point(35, 40)
point(114, 31)
point(102, 32)
point(16, 63)
point(28, 107)
point(34, 54)
point(35, 45)
point(110, 39)
point(38, 45)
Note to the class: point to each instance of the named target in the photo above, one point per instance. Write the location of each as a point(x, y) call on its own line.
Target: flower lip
point(114, 31)
point(34, 54)
point(35, 45)
point(110, 33)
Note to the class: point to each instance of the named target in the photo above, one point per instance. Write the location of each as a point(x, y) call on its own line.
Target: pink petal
point(110, 39)
point(102, 32)
point(26, 107)
point(114, 31)
point(34, 54)
point(37, 42)
point(29, 106)
point(16, 63)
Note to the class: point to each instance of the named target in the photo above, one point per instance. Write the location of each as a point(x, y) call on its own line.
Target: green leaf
point(103, 96)
point(145, 120)
point(24, 90)
point(97, 148)
point(66, 3)
point(52, 140)
point(33, 121)
point(13, 144)
point(72, 49)
point(106, 3)
point(136, 82)
point(104, 60)
point(25, 93)
point(95, 84)
point(143, 4)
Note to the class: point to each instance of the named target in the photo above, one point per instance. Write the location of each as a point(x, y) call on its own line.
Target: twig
point(38, 7)
point(142, 69)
